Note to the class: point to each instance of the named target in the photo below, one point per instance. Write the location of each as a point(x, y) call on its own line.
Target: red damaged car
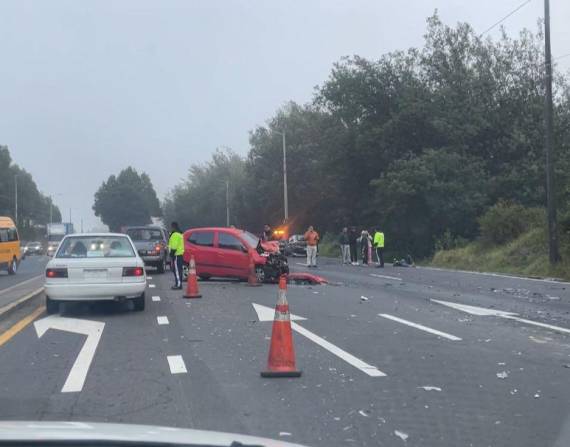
point(223, 252)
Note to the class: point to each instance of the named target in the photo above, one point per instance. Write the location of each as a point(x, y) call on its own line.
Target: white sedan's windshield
point(96, 247)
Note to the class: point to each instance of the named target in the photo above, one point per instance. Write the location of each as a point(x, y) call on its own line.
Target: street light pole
point(227, 203)
point(553, 252)
point(16, 198)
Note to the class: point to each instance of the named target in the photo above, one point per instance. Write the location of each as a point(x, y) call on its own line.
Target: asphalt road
point(383, 364)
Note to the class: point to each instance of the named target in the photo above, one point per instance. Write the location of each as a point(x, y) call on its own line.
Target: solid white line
point(162, 320)
point(156, 298)
point(420, 327)
point(15, 286)
point(349, 358)
point(385, 276)
point(536, 323)
point(176, 364)
point(13, 304)
point(497, 275)
point(152, 286)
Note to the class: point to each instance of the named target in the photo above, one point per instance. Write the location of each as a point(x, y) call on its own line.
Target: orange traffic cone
point(192, 283)
point(281, 361)
point(252, 277)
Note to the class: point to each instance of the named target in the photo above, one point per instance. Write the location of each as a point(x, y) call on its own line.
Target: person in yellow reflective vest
point(176, 248)
point(379, 247)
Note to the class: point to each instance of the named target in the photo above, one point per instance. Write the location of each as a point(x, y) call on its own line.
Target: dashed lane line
point(15, 286)
point(421, 327)
point(176, 364)
point(385, 276)
point(156, 298)
point(149, 277)
point(151, 286)
point(162, 320)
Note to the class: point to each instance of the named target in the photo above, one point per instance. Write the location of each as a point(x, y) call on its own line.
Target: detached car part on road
point(226, 252)
point(94, 267)
point(151, 243)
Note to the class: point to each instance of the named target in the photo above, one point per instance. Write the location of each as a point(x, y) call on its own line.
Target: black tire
point(52, 306)
point(260, 274)
point(13, 267)
point(139, 303)
point(161, 266)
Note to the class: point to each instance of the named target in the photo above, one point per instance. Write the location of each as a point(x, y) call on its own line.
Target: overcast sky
point(90, 87)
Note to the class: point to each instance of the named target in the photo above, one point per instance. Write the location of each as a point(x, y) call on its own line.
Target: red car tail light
point(133, 271)
point(56, 273)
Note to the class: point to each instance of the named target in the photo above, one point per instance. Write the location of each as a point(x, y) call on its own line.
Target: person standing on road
point(379, 247)
point(312, 238)
point(176, 248)
point(344, 241)
point(267, 233)
point(365, 243)
point(353, 242)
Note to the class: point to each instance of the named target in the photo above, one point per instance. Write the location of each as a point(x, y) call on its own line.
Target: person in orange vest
point(312, 238)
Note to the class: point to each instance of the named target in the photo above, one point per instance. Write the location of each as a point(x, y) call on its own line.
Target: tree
point(126, 199)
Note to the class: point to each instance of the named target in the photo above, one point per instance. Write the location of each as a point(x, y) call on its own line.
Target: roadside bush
point(448, 241)
point(505, 221)
point(328, 246)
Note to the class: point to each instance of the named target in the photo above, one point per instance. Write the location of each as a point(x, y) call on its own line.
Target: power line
point(505, 18)
point(560, 57)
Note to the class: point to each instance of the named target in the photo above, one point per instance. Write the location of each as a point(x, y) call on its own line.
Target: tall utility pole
point(16, 198)
point(553, 252)
point(227, 203)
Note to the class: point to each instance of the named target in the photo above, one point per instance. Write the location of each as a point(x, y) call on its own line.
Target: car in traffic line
point(151, 243)
point(34, 248)
point(10, 254)
point(226, 253)
point(94, 267)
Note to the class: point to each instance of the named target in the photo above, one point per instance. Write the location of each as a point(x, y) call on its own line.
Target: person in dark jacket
point(353, 242)
point(344, 242)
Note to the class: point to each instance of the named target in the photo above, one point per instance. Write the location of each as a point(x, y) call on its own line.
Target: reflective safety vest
point(379, 239)
point(176, 243)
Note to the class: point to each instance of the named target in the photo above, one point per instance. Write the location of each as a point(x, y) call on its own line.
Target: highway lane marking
point(15, 286)
point(162, 320)
point(176, 364)
point(13, 304)
point(149, 277)
point(20, 325)
point(421, 327)
point(92, 329)
point(497, 275)
point(156, 298)
point(152, 286)
point(265, 313)
point(385, 276)
point(484, 312)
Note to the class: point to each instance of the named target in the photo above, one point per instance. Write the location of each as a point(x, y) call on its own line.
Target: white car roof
point(97, 235)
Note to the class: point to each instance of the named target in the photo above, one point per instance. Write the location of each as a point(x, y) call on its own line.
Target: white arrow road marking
point(156, 298)
point(176, 364)
point(385, 277)
point(162, 320)
point(481, 311)
point(93, 330)
point(421, 327)
point(265, 313)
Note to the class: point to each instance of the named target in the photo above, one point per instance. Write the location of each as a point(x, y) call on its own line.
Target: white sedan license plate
point(95, 273)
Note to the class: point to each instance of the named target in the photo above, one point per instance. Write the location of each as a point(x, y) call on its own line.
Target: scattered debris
point(400, 434)
point(284, 433)
point(501, 363)
point(503, 375)
point(430, 388)
point(513, 392)
point(566, 365)
point(536, 396)
point(363, 413)
point(363, 298)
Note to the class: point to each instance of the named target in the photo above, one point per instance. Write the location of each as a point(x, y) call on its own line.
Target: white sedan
point(93, 267)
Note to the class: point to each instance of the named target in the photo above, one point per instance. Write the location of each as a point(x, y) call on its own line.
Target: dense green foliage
point(33, 206)
point(505, 222)
point(126, 199)
point(420, 142)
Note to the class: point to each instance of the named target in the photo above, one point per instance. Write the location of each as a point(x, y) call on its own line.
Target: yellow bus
point(9, 246)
